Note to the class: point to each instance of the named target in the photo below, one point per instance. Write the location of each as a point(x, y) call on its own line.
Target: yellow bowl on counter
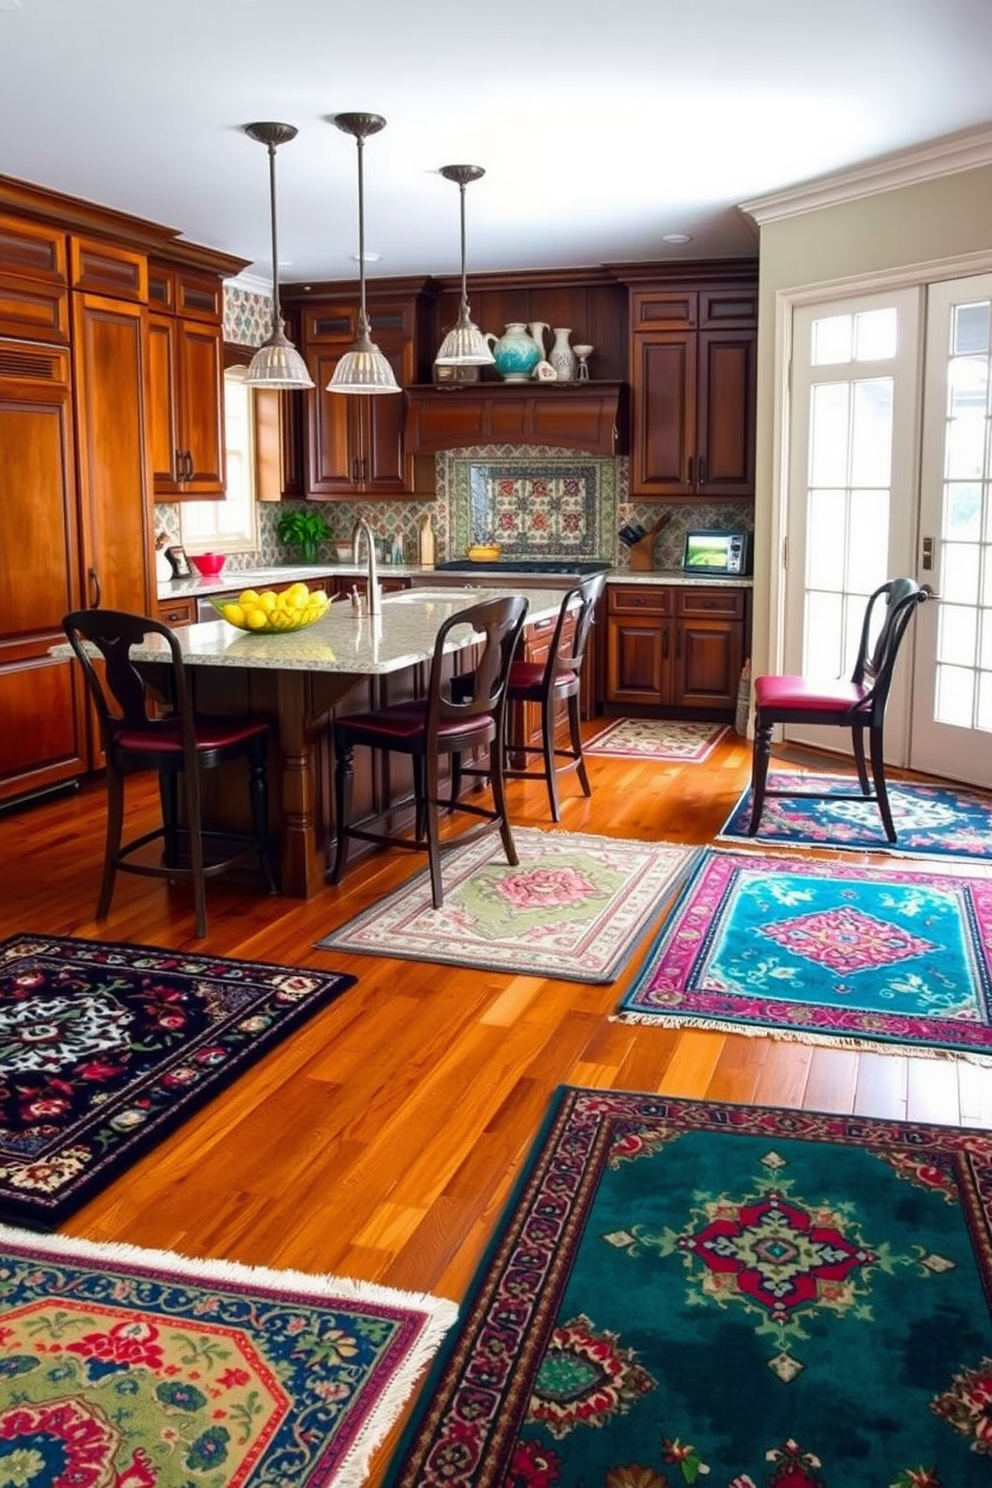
point(483, 552)
point(272, 613)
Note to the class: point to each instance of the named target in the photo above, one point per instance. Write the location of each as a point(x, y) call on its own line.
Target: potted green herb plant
point(304, 530)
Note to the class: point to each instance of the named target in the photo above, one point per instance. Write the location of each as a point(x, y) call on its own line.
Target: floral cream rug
point(574, 907)
point(686, 742)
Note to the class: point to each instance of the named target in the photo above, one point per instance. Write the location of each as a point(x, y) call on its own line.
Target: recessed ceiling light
point(369, 257)
point(677, 238)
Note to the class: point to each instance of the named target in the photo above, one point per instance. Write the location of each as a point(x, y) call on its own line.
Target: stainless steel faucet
point(374, 595)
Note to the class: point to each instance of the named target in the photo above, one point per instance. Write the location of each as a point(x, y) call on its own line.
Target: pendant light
point(464, 345)
point(363, 368)
point(276, 363)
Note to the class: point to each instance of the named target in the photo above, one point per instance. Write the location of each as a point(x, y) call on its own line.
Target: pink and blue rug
point(930, 820)
point(826, 952)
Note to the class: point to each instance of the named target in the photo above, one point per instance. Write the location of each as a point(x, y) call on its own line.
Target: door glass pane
point(826, 539)
point(970, 328)
point(955, 694)
point(985, 701)
point(868, 540)
point(959, 574)
point(832, 340)
point(828, 424)
point(824, 635)
point(875, 335)
point(956, 634)
point(962, 510)
point(871, 443)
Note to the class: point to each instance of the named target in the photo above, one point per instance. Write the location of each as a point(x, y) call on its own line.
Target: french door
point(952, 694)
point(890, 473)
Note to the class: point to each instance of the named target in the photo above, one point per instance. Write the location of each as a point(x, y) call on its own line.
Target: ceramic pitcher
point(515, 353)
point(537, 329)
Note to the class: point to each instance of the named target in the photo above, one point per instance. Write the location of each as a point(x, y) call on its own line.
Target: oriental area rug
point(574, 907)
point(687, 743)
point(105, 1047)
point(930, 820)
point(127, 1368)
point(744, 1297)
point(827, 952)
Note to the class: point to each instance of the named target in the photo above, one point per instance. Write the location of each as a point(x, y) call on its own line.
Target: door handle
point(930, 592)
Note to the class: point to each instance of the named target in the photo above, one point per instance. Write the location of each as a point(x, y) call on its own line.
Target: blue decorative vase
point(515, 353)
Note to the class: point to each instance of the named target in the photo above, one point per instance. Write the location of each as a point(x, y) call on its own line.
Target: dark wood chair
point(140, 734)
point(547, 684)
point(858, 704)
point(429, 729)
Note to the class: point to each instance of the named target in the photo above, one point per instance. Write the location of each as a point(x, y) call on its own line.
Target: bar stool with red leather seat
point(429, 728)
point(139, 735)
point(858, 703)
point(548, 683)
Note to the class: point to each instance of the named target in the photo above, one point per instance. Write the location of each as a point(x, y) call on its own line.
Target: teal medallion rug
point(127, 1368)
point(695, 1293)
point(575, 906)
point(830, 952)
point(930, 820)
point(105, 1047)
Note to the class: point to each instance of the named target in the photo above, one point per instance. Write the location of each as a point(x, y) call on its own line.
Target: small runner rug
point(574, 907)
point(695, 1293)
point(658, 738)
point(930, 820)
point(105, 1047)
point(827, 952)
point(140, 1369)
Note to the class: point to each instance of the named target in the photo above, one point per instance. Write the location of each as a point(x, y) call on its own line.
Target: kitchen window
point(228, 525)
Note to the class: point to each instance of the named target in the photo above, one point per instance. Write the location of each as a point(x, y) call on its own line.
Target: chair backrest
point(876, 663)
point(120, 693)
point(568, 646)
point(498, 622)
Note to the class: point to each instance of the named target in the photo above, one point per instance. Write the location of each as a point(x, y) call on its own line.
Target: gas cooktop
point(527, 566)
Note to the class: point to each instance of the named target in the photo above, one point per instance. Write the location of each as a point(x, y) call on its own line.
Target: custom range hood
point(587, 416)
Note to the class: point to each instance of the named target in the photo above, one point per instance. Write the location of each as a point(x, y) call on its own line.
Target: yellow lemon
point(268, 601)
point(248, 597)
point(234, 613)
point(298, 588)
point(318, 597)
point(256, 618)
point(296, 599)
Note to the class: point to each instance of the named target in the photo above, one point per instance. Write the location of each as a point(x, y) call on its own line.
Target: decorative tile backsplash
point(535, 504)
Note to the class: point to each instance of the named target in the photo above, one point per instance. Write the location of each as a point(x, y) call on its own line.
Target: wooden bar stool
point(428, 729)
point(178, 746)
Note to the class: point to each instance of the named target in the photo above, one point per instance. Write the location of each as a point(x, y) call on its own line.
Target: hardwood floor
point(382, 1138)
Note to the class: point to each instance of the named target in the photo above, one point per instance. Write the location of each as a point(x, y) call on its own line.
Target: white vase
point(562, 357)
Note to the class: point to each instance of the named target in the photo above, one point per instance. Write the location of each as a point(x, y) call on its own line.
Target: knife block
point(642, 552)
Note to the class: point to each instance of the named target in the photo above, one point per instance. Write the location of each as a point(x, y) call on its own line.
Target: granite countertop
point(233, 582)
point(341, 641)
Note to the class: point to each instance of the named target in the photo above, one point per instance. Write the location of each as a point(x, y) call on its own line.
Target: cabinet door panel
point(109, 340)
point(163, 410)
point(726, 414)
point(387, 470)
point(38, 571)
point(637, 661)
point(708, 660)
point(664, 375)
point(333, 431)
point(201, 362)
point(48, 743)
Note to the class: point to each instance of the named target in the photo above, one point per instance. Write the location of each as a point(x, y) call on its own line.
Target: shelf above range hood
point(587, 416)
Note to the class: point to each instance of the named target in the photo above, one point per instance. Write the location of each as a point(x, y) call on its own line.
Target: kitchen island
point(298, 680)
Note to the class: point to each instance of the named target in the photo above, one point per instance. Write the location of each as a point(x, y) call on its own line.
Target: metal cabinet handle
point(664, 644)
point(95, 590)
point(189, 465)
point(688, 471)
point(701, 478)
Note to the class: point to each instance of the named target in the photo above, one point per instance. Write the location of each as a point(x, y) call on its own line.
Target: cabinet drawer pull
point(702, 471)
point(688, 471)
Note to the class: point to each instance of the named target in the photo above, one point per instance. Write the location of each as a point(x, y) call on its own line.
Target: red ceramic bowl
point(208, 564)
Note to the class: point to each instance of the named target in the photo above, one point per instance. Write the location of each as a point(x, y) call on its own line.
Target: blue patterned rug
point(930, 820)
point(827, 952)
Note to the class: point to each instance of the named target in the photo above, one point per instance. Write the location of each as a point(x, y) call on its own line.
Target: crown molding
point(252, 283)
point(966, 150)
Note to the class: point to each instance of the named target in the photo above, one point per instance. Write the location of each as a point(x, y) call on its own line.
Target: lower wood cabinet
point(674, 647)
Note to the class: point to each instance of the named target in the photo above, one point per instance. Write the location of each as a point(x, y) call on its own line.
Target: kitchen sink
point(451, 595)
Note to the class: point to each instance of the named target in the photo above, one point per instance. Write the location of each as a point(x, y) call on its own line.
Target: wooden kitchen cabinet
point(34, 282)
point(186, 384)
point(675, 648)
point(693, 382)
point(587, 416)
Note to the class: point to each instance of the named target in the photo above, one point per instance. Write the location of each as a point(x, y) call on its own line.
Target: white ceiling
point(601, 126)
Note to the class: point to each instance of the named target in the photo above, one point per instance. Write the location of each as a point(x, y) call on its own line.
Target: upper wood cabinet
point(355, 444)
point(693, 378)
point(186, 388)
point(34, 282)
point(588, 416)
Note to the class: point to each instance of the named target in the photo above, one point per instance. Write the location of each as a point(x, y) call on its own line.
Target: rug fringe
point(802, 1036)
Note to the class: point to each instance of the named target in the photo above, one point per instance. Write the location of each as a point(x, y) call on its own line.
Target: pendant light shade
point(363, 368)
point(464, 345)
point(276, 363)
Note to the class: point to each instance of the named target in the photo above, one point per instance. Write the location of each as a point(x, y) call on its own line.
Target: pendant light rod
point(361, 126)
point(276, 364)
point(463, 174)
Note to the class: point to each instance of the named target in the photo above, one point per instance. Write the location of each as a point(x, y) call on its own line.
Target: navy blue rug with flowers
point(694, 1292)
point(105, 1047)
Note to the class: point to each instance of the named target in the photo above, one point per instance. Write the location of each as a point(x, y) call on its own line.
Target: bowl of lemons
point(271, 612)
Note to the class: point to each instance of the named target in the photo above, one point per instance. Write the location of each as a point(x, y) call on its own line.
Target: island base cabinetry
point(675, 649)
